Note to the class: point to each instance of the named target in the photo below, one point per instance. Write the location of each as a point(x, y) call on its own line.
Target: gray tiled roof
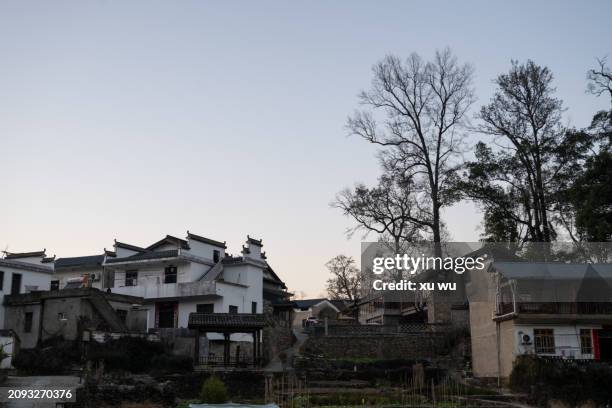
point(80, 261)
point(27, 266)
point(17, 255)
point(131, 247)
point(145, 256)
point(553, 270)
point(169, 239)
point(306, 303)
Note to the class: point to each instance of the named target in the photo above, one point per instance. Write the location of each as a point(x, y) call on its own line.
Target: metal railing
point(557, 308)
point(219, 361)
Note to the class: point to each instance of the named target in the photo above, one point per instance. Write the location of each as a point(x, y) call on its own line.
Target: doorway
point(167, 314)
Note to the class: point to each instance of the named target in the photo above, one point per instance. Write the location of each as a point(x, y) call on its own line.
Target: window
point(253, 307)
point(122, 313)
point(544, 341)
point(16, 284)
point(205, 308)
point(131, 278)
point(62, 316)
point(233, 309)
point(170, 274)
point(54, 285)
point(216, 255)
point(1, 280)
point(586, 341)
point(27, 323)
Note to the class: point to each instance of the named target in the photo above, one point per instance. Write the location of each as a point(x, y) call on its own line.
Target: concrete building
point(23, 273)
point(317, 308)
point(554, 310)
point(42, 315)
point(176, 283)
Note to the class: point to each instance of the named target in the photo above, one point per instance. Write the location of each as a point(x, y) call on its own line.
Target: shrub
point(133, 354)
point(565, 380)
point(54, 356)
point(39, 362)
point(213, 391)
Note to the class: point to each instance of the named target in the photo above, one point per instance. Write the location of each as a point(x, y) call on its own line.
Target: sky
point(131, 120)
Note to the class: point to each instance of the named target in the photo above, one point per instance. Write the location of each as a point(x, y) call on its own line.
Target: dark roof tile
point(206, 240)
point(79, 261)
point(145, 256)
point(17, 255)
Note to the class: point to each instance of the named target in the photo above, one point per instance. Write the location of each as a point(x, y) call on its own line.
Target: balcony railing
point(218, 361)
point(149, 290)
point(581, 308)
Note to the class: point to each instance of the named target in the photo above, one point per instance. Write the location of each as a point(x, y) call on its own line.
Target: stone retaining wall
point(383, 347)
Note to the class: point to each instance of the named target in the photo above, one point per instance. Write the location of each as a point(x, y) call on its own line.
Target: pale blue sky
point(131, 120)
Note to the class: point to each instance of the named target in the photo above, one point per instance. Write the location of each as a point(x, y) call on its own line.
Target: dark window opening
point(1, 280)
point(16, 284)
point(170, 274)
point(253, 307)
point(122, 313)
point(166, 315)
point(54, 285)
point(205, 308)
point(586, 341)
point(27, 323)
point(216, 256)
point(131, 278)
point(233, 309)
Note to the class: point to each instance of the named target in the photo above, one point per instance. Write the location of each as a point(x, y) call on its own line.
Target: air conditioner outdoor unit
point(525, 339)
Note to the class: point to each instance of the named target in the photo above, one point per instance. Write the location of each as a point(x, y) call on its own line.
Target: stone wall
point(276, 339)
point(383, 347)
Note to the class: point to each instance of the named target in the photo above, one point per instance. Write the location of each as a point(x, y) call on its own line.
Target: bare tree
point(600, 79)
point(390, 209)
point(423, 107)
point(345, 281)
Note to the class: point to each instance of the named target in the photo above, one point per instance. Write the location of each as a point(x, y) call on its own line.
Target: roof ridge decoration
point(28, 266)
point(179, 242)
point(17, 255)
point(129, 246)
point(258, 242)
point(205, 240)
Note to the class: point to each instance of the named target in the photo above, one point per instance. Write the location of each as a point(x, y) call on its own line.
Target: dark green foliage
point(546, 379)
point(214, 391)
point(53, 357)
point(131, 354)
point(591, 195)
point(166, 364)
point(37, 362)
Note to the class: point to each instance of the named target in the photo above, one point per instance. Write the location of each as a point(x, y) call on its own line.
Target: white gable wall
point(123, 252)
point(204, 250)
point(33, 279)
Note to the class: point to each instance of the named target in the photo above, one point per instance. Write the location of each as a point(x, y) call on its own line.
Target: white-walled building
point(178, 276)
point(191, 285)
point(24, 273)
